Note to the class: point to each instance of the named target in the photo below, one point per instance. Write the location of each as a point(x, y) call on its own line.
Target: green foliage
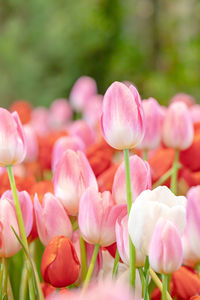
point(46, 45)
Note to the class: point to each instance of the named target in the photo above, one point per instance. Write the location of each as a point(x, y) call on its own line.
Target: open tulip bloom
point(91, 222)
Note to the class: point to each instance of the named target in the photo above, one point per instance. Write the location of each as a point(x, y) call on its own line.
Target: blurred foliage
point(46, 45)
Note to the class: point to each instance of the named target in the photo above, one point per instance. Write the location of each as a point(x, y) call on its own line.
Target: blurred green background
point(46, 45)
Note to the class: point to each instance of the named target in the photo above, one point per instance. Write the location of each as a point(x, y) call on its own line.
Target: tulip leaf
point(32, 263)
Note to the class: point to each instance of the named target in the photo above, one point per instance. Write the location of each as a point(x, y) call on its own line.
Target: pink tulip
point(48, 226)
point(122, 238)
point(60, 113)
point(106, 290)
point(40, 121)
point(190, 258)
point(9, 244)
point(84, 88)
point(178, 129)
point(84, 131)
point(32, 144)
point(89, 251)
point(26, 207)
point(97, 217)
point(153, 128)
point(195, 113)
point(140, 179)
point(72, 176)
point(12, 139)
point(122, 120)
point(165, 251)
point(63, 144)
point(188, 100)
point(193, 218)
point(93, 110)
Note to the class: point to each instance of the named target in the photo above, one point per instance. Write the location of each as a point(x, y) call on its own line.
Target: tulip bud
point(188, 100)
point(97, 217)
point(72, 176)
point(9, 245)
point(60, 265)
point(165, 251)
point(40, 120)
point(122, 237)
point(153, 127)
point(64, 143)
point(140, 179)
point(45, 213)
point(122, 120)
point(60, 113)
point(84, 88)
point(195, 113)
point(26, 207)
point(193, 218)
point(148, 208)
point(12, 141)
point(178, 129)
point(93, 110)
point(32, 144)
point(84, 131)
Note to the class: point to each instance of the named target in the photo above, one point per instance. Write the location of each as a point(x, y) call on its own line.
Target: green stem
point(157, 281)
point(165, 285)
point(23, 285)
point(116, 263)
point(146, 271)
point(5, 277)
point(17, 206)
point(129, 204)
point(173, 185)
point(145, 154)
point(91, 267)
point(83, 258)
point(142, 279)
point(10, 292)
point(31, 288)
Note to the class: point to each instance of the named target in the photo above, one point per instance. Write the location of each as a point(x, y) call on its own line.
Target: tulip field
point(100, 197)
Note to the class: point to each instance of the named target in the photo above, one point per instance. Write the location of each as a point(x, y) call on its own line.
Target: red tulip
point(60, 265)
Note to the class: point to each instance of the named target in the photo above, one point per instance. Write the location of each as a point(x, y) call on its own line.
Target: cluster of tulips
point(110, 186)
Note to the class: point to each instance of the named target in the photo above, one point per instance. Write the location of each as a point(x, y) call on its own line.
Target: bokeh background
point(46, 45)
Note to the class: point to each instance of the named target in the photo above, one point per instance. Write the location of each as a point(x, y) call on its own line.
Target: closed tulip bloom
point(12, 139)
point(190, 258)
point(195, 113)
point(32, 144)
point(97, 217)
point(193, 218)
point(188, 100)
point(84, 88)
point(26, 207)
point(140, 179)
point(60, 113)
point(64, 143)
point(122, 238)
point(84, 131)
point(93, 110)
point(72, 176)
point(9, 245)
point(165, 251)
point(122, 120)
point(40, 120)
point(153, 128)
point(48, 226)
point(178, 129)
point(60, 265)
point(148, 208)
